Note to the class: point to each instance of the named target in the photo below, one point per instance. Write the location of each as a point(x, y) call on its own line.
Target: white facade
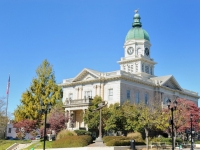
point(11, 131)
point(135, 81)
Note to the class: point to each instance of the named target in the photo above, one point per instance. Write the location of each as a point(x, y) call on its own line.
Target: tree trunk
point(147, 139)
point(175, 138)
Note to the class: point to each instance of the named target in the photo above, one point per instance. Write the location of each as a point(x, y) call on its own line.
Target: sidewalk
point(97, 144)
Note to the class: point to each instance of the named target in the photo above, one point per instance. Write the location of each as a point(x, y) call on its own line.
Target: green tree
point(91, 118)
point(43, 89)
point(148, 117)
point(114, 118)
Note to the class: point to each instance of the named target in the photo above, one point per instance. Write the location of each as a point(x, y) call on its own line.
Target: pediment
point(172, 85)
point(86, 74)
point(167, 81)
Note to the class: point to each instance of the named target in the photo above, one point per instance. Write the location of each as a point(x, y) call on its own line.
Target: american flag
point(8, 86)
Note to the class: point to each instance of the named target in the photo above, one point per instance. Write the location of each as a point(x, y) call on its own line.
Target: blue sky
point(77, 34)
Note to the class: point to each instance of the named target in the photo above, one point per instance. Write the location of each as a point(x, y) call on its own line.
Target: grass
point(39, 145)
point(6, 143)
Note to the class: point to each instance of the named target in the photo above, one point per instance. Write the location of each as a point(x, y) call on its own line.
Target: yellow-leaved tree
point(42, 89)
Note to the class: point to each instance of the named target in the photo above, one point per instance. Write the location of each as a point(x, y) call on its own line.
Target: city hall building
point(134, 81)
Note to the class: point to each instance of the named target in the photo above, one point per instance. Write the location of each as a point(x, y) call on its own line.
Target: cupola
point(136, 32)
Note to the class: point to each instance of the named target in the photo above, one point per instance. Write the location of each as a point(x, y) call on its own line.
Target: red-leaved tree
point(25, 127)
point(56, 118)
point(182, 117)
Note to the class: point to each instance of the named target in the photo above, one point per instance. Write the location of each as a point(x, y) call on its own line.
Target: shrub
point(161, 139)
point(109, 138)
point(197, 142)
point(87, 138)
point(117, 142)
point(64, 133)
point(179, 140)
point(120, 141)
point(137, 136)
point(166, 140)
point(72, 141)
point(82, 132)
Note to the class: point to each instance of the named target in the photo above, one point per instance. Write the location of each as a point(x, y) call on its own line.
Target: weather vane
point(136, 11)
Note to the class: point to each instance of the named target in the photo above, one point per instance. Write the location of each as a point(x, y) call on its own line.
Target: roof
point(136, 32)
point(168, 81)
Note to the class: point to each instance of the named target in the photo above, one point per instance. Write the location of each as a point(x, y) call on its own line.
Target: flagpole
point(6, 116)
point(7, 92)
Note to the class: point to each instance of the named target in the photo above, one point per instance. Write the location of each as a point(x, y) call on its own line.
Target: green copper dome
point(136, 32)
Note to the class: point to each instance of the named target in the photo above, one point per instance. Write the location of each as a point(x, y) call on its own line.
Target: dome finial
point(137, 22)
point(136, 11)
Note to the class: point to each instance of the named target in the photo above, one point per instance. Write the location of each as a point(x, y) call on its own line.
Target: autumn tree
point(43, 89)
point(56, 118)
point(25, 127)
point(182, 117)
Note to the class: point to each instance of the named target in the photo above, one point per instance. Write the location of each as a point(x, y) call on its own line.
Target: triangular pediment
point(86, 74)
point(167, 81)
point(172, 85)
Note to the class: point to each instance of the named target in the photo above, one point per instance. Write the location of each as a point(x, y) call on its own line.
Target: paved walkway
point(97, 144)
point(22, 146)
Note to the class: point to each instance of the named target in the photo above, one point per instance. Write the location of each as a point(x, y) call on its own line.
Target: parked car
point(38, 137)
point(9, 138)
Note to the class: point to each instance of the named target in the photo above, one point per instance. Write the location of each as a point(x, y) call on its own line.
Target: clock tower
point(137, 51)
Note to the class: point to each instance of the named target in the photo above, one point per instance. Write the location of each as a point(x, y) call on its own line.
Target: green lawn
point(6, 143)
point(39, 145)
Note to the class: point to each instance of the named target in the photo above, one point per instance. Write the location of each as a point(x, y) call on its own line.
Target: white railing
point(77, 101)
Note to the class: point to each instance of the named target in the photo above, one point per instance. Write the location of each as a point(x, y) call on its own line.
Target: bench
point(158, 145)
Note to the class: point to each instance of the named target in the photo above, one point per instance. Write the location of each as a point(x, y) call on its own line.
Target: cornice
point(128, 78)
point(181, 92)
point(130, 42)
point(137, 59)
point(109, 79)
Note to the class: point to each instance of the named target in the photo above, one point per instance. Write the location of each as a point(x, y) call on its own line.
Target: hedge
point(72, 141)
point(120, 141)
point(82, 132)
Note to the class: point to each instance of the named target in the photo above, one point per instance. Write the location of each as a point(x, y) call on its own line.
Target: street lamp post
point(191, 131)
point(100, 106)
point(45, 109)
point(172, 108)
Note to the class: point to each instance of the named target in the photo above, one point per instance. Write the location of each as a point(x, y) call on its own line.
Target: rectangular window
point(70, 96)
point(9, 130)
point(88, 94)
point(146, 99)
point(110, 94)
point(128, 94)
point(137, 97)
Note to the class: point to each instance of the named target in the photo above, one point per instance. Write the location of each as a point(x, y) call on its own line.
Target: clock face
point(130, 50)
point(147, 51)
